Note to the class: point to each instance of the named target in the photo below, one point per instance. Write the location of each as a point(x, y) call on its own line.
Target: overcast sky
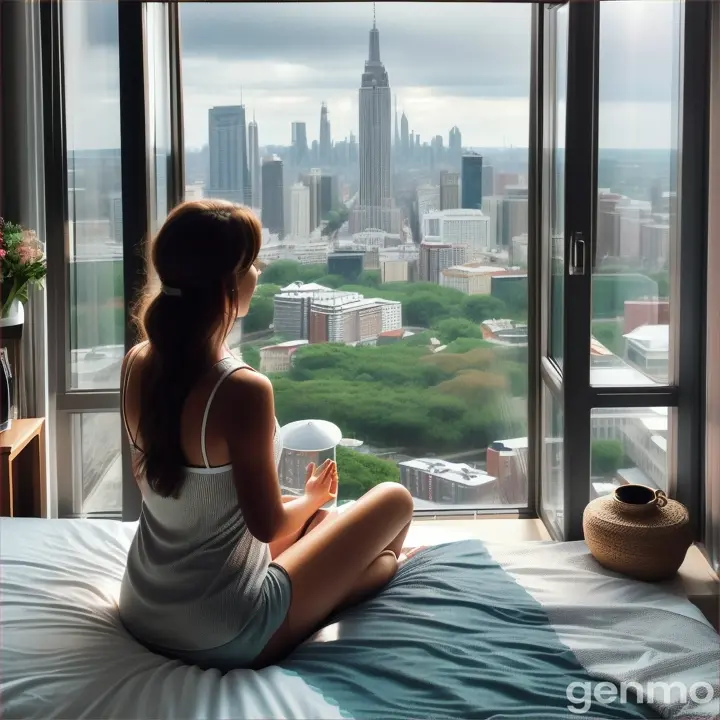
point(449, 64)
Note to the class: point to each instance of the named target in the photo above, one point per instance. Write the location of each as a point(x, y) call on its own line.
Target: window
point(96, 322)
point(637, 208)
point(88, 312)
point(119, 187)
point(394, 301)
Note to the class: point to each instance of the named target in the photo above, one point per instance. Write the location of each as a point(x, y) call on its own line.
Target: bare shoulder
point(135, 356)
point(249, 390)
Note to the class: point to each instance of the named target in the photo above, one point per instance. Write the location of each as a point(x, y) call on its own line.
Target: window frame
point(137, 156)
point(684, 395)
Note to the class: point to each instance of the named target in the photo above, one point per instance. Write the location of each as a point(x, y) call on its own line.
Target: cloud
point(449, 63)
point(453, 45)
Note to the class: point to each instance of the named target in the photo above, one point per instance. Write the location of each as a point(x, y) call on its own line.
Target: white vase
point(15, 315)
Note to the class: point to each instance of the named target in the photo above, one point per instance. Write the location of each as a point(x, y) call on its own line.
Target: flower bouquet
point(22, 264)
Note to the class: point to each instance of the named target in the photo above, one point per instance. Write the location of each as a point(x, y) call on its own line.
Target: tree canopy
point(607, 457)
point(358, 472)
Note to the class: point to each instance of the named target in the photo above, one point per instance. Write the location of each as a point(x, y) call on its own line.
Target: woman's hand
point(321, 484)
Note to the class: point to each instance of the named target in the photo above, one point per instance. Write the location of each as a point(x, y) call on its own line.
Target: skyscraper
point(325, 142)
point(472, 177)
point(254, 165)
point(404, 136)
point(449, 190)
point(397, 132)
point(515, 213)
point(315, 153)
point(312, 181)
point(228, 154)
point(488, 181)
point(375, 202)
point(300, 210)
point(299, 144)
point(455, 143)
point(273, 216)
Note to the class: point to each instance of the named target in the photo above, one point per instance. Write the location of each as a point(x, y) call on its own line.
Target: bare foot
point(408, 553)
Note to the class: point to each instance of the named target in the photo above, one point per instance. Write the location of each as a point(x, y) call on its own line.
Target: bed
point(465, 630)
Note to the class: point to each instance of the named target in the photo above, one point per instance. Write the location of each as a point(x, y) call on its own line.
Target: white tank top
point(194, 571)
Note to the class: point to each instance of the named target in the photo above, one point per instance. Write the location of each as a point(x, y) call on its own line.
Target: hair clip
point(174, 292)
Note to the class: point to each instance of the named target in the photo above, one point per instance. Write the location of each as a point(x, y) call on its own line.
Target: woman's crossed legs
point(345, 558)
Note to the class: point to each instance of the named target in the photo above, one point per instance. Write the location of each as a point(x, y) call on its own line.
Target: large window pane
point(392, 182)
point(638, 194)
point(97, 464)
point(629, 446)
point(92, 117)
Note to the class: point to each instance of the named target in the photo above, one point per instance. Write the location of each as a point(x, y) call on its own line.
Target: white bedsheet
point(621, 630)
point(65, 653)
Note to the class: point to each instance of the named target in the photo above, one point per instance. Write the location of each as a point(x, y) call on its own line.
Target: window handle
point(577, 254)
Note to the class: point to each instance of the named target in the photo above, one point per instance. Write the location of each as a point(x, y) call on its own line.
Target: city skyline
point(290, 59)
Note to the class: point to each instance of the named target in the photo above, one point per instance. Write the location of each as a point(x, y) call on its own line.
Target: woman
point(224, 572)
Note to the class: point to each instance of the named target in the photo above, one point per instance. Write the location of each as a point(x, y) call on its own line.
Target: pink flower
point(30, 249)
point(3, 253)
point(27, 255)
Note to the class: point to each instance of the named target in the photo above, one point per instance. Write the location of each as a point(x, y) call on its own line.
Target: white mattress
point(65, 654)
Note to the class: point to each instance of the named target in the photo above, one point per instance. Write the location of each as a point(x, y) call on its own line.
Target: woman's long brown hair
point(201, 250)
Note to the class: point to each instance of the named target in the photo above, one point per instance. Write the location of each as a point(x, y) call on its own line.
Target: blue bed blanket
point(456, 635)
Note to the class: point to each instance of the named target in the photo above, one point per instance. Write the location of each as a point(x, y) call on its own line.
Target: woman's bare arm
point(248, 417)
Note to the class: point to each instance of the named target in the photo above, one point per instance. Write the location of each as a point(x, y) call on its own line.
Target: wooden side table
point(22, 469)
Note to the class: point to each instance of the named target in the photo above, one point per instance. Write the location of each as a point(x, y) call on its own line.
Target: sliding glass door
point(621, 252)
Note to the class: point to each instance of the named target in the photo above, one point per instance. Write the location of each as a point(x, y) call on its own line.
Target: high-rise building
point(325, 141)
point(493, 208)
point(449, 190)
point(273, 215)
point(228, 155)
point(488, 181)
point(328, 194)
point(458, 227)
point(312, 181)
point(300, 210)
point(254, 165)
point(515, 213)
point(315, 153)
point(353, 321)
point(292, 306)
point(455, 144)
point(472, 175)
point(436, 256)
point(397, 131)
point(375, 139)
point(404, 137)
point(299, 144)
point(437, 148)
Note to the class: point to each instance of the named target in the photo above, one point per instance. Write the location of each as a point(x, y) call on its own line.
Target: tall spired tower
point(375, 141)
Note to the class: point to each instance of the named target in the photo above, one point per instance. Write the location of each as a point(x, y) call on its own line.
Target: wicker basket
point(639, 532)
